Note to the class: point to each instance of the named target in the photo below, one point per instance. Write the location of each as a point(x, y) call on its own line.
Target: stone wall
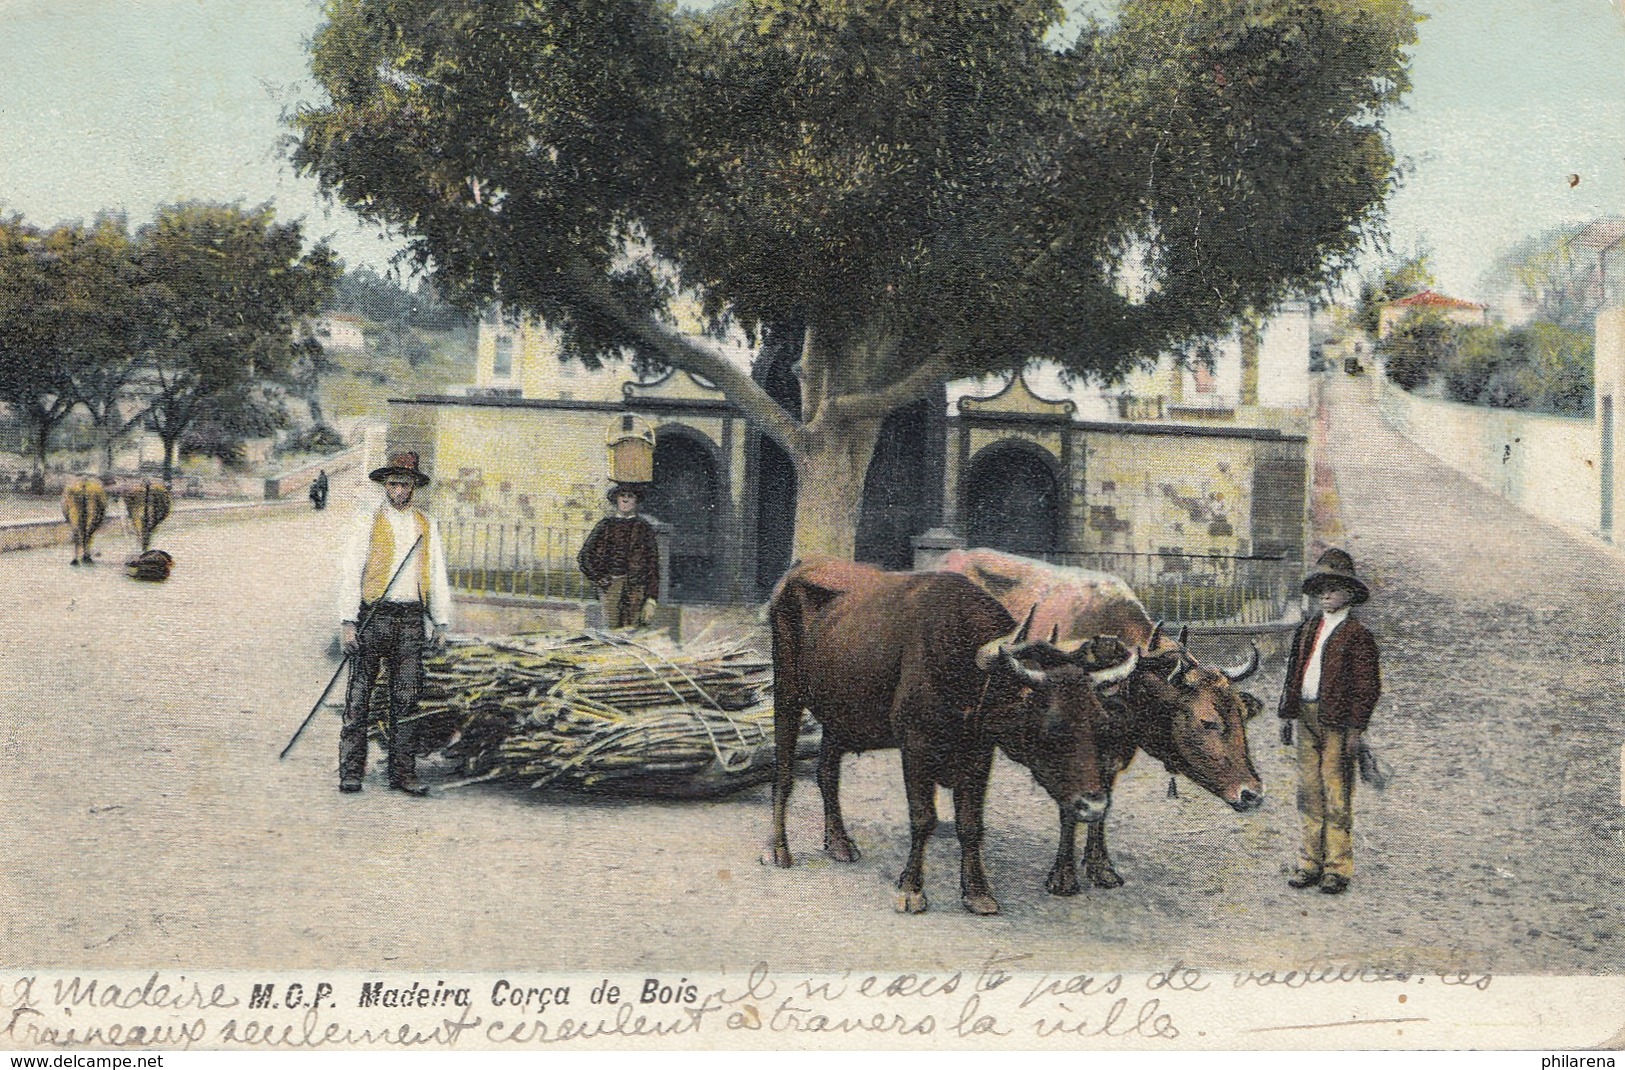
point(1546, 465)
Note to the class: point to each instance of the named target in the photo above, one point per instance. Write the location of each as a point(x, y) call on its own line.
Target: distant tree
point(224, 292)
point(36, 366)
point(383, 300)
point(1557, 280)
point(101, 325)
point(1398, 279)
point(932, 190)
point(1539, 366)
point(227, 419)
point(1479, 357)
point(1417, 347)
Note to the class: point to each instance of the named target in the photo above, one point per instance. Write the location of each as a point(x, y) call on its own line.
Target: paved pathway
point(1502, 640)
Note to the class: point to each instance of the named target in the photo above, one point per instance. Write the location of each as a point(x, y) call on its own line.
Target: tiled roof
point(1429, 299)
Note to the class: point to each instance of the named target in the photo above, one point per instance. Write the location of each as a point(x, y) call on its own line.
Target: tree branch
point(912, 387)
point(681, 351)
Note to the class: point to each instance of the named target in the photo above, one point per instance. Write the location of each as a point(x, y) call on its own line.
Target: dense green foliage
point(384, 301)
point(179, 327)
point(1540, 366)
point(929, 190)
point(1417, 347)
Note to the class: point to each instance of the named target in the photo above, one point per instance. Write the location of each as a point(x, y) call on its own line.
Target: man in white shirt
point(392, 586)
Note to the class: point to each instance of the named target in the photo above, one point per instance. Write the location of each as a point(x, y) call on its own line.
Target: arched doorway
point(685, 496)
point(1012, 501)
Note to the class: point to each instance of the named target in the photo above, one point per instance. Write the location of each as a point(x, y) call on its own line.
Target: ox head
point(1198, 719)
point(1052, 717)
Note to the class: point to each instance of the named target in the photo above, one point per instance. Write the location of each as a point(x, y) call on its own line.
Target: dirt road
point(149, 822)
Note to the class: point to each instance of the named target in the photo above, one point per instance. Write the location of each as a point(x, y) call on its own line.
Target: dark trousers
point(392, 640)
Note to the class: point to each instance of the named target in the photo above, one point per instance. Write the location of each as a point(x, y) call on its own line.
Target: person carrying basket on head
point(621, 559)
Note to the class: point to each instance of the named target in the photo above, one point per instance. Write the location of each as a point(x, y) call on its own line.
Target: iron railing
point(517, 558)
point(1199, 588)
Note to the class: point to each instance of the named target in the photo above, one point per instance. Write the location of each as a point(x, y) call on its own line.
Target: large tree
point(931, 190)
point(224, 291)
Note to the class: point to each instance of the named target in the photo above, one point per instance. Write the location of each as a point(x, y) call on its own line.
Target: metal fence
point(1199, 588)
point(533, 560)
point(539, 561)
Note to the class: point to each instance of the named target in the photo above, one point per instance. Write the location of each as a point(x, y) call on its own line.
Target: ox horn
point(1241, 672)
point(1026, 625)
point(1030, 677)
point(1151, 643)
point(1111, 675)
point(1184, 635)
point(1181, 663)
point(1054, 633)
point(990, 651)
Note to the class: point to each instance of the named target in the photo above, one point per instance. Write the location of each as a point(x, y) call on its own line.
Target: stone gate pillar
point(1610, 392)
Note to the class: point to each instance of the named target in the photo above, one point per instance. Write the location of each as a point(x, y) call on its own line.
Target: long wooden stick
point(359, 628)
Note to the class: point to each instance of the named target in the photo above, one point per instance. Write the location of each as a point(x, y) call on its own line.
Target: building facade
point(521, 463)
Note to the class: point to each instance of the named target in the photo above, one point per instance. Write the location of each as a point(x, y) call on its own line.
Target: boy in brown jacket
point(1332, 684)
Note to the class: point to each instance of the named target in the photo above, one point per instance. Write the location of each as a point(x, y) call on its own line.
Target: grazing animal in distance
point(84, 507)
point(147, 506)
point(153, 566)
point(929, 664)
point(1188, 716)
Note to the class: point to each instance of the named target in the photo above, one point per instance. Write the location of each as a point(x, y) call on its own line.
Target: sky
point(129, 104)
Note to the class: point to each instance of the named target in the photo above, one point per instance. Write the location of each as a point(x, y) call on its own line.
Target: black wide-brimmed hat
point(1336, 569)
point(400, 464)
point(639, 490)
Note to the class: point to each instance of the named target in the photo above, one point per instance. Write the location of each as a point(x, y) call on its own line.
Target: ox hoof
point(1104, 877)
point(75, 561)
point(843, 851)
point(911, 902)
point(777, 856)
point(981, 904)
point(1063, 881)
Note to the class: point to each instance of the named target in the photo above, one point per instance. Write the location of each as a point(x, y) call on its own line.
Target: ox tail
point(788, 617)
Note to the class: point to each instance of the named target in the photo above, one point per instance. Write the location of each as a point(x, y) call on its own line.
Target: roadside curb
point(34, 534)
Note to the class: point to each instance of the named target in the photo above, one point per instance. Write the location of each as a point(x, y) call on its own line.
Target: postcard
point(745, 525)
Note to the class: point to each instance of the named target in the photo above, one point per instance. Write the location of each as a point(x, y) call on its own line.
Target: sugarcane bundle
point(599, 711)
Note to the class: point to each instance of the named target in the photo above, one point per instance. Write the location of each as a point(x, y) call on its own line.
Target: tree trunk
point(830, 473)
point(104, 428)
point(42, 446)
point(169, 458)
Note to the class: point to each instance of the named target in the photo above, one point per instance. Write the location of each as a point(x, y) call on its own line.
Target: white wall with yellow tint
point(501, 463)
point(525, 358)
point(1548, 465)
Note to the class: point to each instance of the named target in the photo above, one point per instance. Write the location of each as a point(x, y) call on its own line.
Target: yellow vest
point(381, 555)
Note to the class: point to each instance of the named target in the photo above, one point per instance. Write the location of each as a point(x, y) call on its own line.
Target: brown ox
point(1185, 715)
point(84, 507)
point(930, 664)
point(147, 506)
